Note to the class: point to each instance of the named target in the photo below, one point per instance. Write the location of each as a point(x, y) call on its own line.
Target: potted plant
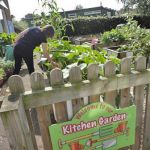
point(8, 67)
point(2, 76)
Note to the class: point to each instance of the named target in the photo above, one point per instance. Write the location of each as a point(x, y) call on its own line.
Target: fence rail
point(62, 100)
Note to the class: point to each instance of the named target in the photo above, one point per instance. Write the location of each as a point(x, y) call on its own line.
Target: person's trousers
point(18, 61)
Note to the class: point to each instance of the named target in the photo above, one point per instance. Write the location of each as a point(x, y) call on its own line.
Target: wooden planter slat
point(119, 55)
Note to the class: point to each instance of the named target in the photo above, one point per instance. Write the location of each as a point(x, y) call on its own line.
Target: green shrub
point(7, 65)
point(7, 39)
point(94, 25)
point(137, 38)
point(112, 36)
point(2, 73)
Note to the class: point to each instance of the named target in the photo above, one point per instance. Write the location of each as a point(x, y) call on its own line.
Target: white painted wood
point(140, 65)
point(83, 89)
point(93, 74)
point(125, 68)
point(75, 76)
point(109, 70)
point(15, 84)
point(43, 113)
point(56, 78)
point(146, 144)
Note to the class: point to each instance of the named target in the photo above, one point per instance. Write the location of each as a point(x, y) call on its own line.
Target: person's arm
point(45, 51)
point(46, 54)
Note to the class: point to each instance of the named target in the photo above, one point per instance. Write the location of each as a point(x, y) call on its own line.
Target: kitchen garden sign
point(96, 126)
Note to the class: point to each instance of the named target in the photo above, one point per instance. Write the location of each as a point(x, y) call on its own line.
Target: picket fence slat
point(140, 65)
point(15, 84)
point(125, 101)
point(60, 109)
point(75, 76)
point(109, 70)
point(92, 74)
point(125, 93)
point(37, 83)
point(31, 129)
point(43, 113)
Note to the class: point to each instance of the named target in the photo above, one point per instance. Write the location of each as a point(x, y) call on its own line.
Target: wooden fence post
point(146, 144)
point(14, 118)
point(75, 76)
point(93, 72)
point(56, 78)
point(109, 70)
point(43, 113)
point(140, 65)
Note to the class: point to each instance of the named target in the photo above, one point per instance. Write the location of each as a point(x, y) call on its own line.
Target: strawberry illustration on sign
point(96, 126)
point(121, 127)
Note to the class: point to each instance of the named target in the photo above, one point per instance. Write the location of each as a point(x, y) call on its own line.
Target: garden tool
point(90, 142)
point(106, 138)
point(101, 134)
point(61, 143)
point(98, 133)
point(106, 144)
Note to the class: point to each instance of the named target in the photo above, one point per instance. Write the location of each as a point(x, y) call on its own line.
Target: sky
point(19, 8)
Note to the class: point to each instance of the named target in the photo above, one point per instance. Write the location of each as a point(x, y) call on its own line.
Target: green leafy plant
point(7, 39)
point(130, 37)
point(111, 37)
point(53, 17)
point(2, 73)
point(8, 67)
point(68, 55)
point(138, 39)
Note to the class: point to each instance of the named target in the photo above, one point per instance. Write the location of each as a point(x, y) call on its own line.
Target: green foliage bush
point(2, 73)
point(7, 65)
point(94, 25)
point(68, 55)
point(7, 39)
point(113, 36)
point(135, 38)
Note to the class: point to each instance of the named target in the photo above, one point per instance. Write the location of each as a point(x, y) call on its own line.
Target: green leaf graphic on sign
point(96, 126)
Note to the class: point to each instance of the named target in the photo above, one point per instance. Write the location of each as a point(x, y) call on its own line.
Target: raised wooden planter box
point(80, 41)
point(113, 51)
